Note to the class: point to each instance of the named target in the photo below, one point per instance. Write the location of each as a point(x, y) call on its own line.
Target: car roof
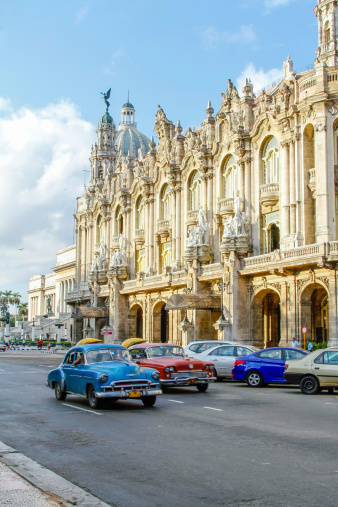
point(147, 345)
point(97, 346)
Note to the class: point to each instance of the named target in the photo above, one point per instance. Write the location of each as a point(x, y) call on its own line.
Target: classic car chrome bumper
point(175, 381)
point(125, 394)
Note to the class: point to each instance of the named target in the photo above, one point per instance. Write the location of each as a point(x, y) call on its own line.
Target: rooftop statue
point(105, 98)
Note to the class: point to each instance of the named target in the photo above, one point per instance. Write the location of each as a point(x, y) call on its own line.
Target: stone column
point(146, 227)
point(284, 315)
point(78, 256)
point(173, 223)
point(210, 206)
point(285, 191)
point(204, 178)
point(90, 246)
point(322, 205)
point(247, 176)
point(151, 234)
point(298, 179)
point(333, 309)
point(292, 189)
point(241, 178)
point(178, 225)
point(83, 252)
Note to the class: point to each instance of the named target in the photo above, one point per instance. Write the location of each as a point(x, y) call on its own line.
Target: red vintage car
point(174, 367)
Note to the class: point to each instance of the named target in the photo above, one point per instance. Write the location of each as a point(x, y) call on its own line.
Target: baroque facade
point(225, 231)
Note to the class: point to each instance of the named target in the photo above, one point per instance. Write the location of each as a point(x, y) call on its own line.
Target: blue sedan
point(104, 371)
point(264, 366)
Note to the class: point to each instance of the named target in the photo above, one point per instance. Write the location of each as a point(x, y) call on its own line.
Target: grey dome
point(129, 139)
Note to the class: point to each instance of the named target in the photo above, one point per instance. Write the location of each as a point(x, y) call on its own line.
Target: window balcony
point(163, 226)
point(226, 206)
point(269, 194)
point(192, 217)
point(139, 235)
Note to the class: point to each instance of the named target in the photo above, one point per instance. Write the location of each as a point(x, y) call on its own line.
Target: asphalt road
point(232, 446)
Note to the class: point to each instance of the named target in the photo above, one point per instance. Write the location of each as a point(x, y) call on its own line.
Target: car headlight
point(155, 375)
point(103, 378)
point(172, 368)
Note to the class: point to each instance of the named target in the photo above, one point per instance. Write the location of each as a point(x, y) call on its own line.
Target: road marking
point(84, 409)
point(217, 409)
point(175, 401)
point(2, 370)
point(328, 403)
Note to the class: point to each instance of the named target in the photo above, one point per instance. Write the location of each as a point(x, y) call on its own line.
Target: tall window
point(230, 182)
point(99, 230)
point(327, 32)
point(140, 260)
point(165, 203)
point(165, 254)
point(195, 191)
point(140, 213)
point(271, 162)
point(118, 222)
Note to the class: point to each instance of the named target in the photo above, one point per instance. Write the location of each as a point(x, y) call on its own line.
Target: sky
point(56, 58)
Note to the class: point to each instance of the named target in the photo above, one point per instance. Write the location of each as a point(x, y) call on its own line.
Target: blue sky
point(56, 58)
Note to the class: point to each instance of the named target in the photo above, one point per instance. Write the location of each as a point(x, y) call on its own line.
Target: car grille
point(184, 374)
point(130, 385)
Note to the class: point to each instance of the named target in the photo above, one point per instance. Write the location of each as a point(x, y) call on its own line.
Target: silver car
point(3, 346)
point(195, 349)
point(224, 357)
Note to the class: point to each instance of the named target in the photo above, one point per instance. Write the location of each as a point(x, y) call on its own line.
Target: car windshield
point(103, 355)
point(165, 351)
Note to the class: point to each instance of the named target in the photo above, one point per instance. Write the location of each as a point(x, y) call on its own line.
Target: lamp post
point(58, 337)
point(221, 288)
point(33, 331)
point(21, 331)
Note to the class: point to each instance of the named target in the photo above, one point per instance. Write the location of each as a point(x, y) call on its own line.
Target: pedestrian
point(23, 342)
point(309, 346)
point(294, 343)
point(48, 346)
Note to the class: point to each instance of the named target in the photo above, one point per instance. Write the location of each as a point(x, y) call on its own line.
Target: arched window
point(165, 203)
point(140, 213)
point(118, 222)
point(195, 191)
point(271, 162)
point(327, 32)
point(230, 182)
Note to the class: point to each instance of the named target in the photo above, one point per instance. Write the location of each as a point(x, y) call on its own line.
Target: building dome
point(128, 138)
point(106, 118)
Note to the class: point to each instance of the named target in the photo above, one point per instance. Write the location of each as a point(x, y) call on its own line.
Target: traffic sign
point(304, 330)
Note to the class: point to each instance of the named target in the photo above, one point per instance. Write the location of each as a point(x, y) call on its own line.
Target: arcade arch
point(266, 318)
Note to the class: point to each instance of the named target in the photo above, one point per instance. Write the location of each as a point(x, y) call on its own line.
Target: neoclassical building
point(228, 230)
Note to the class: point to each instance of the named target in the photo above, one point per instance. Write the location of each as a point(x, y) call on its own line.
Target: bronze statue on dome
point(105, 98)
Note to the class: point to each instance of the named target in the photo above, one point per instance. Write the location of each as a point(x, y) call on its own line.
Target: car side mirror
point(137, 361)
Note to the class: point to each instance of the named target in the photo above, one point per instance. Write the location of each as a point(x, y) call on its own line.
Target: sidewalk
point(24, 482)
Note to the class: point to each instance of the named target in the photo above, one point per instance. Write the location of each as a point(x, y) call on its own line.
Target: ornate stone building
point(228, 230)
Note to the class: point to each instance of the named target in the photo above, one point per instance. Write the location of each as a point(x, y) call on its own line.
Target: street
point(232, 445)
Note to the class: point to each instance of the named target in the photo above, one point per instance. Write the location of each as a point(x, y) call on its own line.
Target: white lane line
point(217, 409)
point(175, 401)
point(84, 409)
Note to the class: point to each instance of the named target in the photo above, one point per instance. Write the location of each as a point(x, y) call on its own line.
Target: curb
point(48, 481)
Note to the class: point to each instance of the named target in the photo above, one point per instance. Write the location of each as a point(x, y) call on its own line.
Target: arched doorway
point(315, 312)
point(160, 323)
point(266, 319)
point(135, 322)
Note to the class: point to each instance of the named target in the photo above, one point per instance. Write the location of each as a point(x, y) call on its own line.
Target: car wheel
point(202, 387)
point(59, 395)
point(92, 400)
point(309, 385)
point(149, 401)
point(254, 379)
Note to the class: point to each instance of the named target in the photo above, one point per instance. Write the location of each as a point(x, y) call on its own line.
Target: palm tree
point(23, 310)
point(16, 301)
point(7, 297)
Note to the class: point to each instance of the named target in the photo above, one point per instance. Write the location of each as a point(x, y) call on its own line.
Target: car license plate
point(191, 381)
point(134, 394)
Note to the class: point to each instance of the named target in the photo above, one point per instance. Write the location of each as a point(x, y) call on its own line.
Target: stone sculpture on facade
point(119, 257)
point(199, 234)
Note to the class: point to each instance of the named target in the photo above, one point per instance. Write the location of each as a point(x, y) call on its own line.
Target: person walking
point(309, 346)
point(294, 343)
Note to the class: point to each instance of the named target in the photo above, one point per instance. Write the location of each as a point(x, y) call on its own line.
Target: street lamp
point(221, 288)
point(33, 331)
point(58, 338)
point(46, 315)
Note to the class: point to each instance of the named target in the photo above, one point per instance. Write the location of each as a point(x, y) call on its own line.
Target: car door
point(271, 365)
point(325, 367)
point(223, 359)
point(73, 373)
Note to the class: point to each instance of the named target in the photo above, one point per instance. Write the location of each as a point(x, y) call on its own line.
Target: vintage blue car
point(104, 371)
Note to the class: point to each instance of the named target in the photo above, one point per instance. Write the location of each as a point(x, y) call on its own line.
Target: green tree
point(23, 310)
point(16, 300)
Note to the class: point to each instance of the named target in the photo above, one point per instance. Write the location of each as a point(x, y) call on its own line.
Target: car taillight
point(286, 367)
point(239, 362)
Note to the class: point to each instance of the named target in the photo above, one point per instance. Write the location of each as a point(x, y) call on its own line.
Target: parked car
point(174, 367)
point(193, 349)
point(3, 347)
point(315, 372)
point(265, 366)
point(224, 356)
point(103, 371)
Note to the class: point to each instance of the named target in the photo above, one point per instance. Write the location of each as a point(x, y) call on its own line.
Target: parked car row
point(145, 370)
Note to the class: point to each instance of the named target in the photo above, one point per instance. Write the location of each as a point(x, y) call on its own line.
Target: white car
point(224, 357)
point(194, 349)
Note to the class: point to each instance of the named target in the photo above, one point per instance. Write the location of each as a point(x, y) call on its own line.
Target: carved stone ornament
point(319, 127)
point(324, 281)
point(332, 109)
point(301, 283)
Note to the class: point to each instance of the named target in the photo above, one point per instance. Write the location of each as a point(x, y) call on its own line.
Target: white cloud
point(258, 77)
point(211, 37)
point(272, 4)
point(42, 155)
point(80, 15)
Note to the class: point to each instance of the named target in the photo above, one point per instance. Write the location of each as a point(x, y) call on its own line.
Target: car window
point(69, 359)
point(137, 353)
point(194, 347)
point(226, 351)
point(243, 351)
point(293, 354)
point(330, 357)
point(271, 354)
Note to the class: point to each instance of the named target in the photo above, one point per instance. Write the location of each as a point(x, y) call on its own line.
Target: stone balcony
point(192, 217)
point(226, 206)
point(269, 194)
point(163, 226)
point(139, 235)
point(282, 261)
